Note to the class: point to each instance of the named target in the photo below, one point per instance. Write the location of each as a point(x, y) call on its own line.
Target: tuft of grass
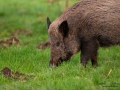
point(28, 59)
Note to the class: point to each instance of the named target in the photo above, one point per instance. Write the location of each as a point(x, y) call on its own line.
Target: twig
point(109, 72)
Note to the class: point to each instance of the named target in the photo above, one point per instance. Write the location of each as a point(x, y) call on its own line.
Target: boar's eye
point(58, 44)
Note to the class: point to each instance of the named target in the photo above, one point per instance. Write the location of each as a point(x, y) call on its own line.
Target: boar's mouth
point(68, 56)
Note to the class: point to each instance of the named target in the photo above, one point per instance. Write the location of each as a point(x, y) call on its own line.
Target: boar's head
point(60, 47)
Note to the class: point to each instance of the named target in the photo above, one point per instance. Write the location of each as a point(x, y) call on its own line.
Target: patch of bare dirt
point(44, 45)
point(9, 42)
point(21, 32)
point(7, 72)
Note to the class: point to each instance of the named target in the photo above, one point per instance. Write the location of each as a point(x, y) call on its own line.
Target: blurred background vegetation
point(29, 15)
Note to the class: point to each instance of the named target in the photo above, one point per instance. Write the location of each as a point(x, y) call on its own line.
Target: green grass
point(26, 14)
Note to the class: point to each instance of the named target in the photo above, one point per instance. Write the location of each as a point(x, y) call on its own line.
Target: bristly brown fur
point(91, 23)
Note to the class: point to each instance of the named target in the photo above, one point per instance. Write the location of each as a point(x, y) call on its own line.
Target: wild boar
point(86, 26)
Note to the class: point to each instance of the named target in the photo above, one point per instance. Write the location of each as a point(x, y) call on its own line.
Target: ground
point(22, 29)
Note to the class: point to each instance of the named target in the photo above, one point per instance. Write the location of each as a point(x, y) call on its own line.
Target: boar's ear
point(48, 23)
point(63, 28)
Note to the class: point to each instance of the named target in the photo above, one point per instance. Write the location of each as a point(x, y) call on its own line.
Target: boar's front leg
point(94, 59)
point(88, 51)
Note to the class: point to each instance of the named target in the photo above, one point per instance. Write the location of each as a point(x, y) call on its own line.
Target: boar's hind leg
point(94, 60)
point(88, 50)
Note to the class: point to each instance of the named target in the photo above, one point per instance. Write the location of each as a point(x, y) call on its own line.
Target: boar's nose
point(52, 65)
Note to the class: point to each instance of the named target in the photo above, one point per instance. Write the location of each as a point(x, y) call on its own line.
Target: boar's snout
point(52, 65)
point(55, 63)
